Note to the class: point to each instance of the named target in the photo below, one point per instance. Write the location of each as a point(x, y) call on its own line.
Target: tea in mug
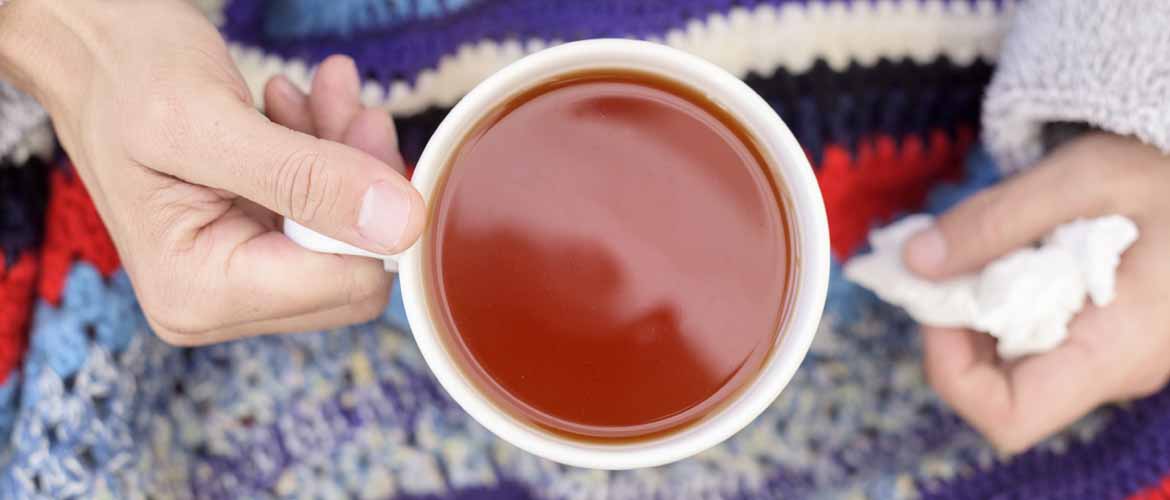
point(611, 257)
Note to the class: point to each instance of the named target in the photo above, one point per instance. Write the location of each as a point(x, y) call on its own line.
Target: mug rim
point(788, 164)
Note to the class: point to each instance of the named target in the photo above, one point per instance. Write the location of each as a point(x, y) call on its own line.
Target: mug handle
point(317, 242)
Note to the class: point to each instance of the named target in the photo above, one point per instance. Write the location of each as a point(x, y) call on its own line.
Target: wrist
point(41, 52)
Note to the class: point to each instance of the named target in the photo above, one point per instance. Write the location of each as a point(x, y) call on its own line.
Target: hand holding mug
point(191, 180)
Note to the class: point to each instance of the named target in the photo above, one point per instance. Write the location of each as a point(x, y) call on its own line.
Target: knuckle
point(175, 318)
point(160, 125)
point(1132, 188)
point(1088, 183)
point(939, 382)
point(1138, 371)
point(1005, 428)
point(1104, 170)
point(987, 222)
point(166, 334)
point(175, 326)
point(305, 185)
point(1147, 384)
point(366, 284)
point(1007, 440)
point(371, 308)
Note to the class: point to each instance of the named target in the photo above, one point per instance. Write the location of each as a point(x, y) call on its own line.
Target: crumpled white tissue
point(1025, 299)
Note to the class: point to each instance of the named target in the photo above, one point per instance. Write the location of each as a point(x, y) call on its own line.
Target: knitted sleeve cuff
point(1104, 63)
point(24, 126)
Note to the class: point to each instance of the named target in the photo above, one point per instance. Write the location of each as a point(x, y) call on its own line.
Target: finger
point(261, 215)
point(963, 368)
point(955, 351)
point(1014, 405)
point(329, 187)
point(1050, 392)
point(372, 131)
point(287, 105)
point(1129, 336)
point(326, 319)
point(233, 273)
point(335, 97)
point(276, 278)
point(1009, 216)
point(349, 314)
point(267, 276)
point(1112, 353)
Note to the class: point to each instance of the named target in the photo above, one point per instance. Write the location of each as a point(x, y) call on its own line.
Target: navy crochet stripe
point(827, 107)
point(894, 98)
point(23, 198)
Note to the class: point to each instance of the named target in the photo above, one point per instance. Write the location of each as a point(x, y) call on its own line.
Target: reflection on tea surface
point(611, 258)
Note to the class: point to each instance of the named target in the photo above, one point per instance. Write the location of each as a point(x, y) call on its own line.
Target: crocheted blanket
point(884, 95)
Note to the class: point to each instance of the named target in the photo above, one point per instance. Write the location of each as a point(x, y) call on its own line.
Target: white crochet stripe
point(38, 141)
point(21, 118)
point(761, 39)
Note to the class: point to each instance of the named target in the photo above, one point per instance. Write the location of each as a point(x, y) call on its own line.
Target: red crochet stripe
point(883, 179)
point(879, 181)
point(73, 231)
point(1160, 491)
point(17, 289)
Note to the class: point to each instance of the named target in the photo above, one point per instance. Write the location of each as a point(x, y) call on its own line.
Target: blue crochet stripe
point(400, 51)
point(93, 311)
point(395, 314)
point(8, 406)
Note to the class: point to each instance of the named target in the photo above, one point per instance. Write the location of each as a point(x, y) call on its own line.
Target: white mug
point(789, 166)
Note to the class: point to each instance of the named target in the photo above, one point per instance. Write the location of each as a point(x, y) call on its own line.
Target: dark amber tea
point(611, 257)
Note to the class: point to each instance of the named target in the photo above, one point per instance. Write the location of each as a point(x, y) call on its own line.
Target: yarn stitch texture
point(93, 405)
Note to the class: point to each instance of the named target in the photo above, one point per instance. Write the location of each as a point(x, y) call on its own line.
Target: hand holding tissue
point(1024, 299)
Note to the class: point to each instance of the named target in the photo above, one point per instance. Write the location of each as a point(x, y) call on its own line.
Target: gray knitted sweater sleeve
point(1100, 63)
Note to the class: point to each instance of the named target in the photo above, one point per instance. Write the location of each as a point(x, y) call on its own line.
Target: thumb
point(326, 186)
point(1004, 218)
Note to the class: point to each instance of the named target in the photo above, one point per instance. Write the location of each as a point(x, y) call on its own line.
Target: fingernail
point(384, 215)
point(289, 91)
point(927, 250)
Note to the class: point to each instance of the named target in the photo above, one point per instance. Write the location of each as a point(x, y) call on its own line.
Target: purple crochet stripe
point(1131, 454)
point(401, 52)
point(874, 452)
point(883, 454)
point(505, 491)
